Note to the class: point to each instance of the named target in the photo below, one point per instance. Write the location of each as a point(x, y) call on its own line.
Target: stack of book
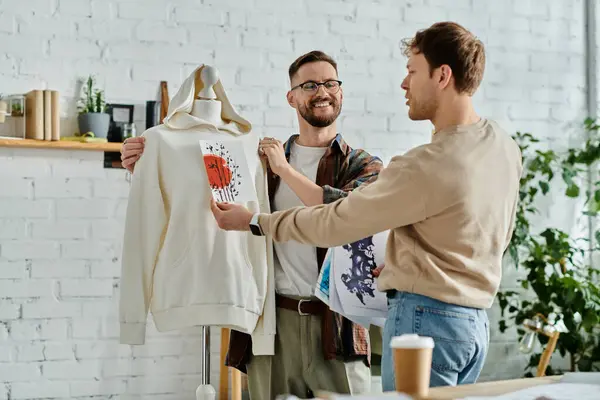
point(42, 115)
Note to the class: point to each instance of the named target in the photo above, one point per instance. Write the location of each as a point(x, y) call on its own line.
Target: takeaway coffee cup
point(412, 363)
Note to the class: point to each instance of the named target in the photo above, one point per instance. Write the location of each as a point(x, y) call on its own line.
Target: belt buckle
point(299, 306)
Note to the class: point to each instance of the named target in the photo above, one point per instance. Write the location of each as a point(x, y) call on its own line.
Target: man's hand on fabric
point(131, 151)
point(230, 216)
point(272, 150)
point(377, 270)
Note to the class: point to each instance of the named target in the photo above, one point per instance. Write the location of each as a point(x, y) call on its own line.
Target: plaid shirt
point(341, 170)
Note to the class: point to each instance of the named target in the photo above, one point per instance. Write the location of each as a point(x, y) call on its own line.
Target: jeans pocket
point(453, 333)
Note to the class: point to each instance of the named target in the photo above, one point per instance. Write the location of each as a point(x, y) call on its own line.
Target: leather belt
point(302, 306)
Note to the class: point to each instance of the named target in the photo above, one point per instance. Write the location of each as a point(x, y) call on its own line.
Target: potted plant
point(16, 109)
point(559, 279)
point(92, 106)
point(3, 108)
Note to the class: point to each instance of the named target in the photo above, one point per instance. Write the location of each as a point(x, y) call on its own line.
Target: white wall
point(61, 217)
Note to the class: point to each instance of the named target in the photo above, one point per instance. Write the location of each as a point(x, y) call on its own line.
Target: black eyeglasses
point(331, 86)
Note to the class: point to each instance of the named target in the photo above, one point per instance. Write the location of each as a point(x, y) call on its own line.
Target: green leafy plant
point(93, 99)
point(17, 110)
point(556, 267)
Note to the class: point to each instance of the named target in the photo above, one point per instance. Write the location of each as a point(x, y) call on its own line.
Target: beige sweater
point(450, 206)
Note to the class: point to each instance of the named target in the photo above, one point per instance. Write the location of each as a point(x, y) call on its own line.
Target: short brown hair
point(313, 56)
point(451, 44)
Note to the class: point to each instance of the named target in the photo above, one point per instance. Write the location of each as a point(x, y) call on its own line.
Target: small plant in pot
point(16, 109)
point(92, 106)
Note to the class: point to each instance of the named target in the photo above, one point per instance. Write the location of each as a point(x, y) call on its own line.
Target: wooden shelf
point(64, 145)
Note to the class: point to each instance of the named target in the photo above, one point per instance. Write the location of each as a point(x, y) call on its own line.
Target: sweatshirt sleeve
point(144, 223)
point(395, 199)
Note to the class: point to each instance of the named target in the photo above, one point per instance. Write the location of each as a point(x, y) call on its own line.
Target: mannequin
point(208, 108)
point(206, 105)
point(163, 261)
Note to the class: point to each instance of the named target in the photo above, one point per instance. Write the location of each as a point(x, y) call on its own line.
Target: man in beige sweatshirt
point(449, 205)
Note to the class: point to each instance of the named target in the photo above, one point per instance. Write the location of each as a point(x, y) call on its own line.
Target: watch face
point(255, 229)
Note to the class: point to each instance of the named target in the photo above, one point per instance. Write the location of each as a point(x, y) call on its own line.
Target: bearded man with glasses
point(315, 348)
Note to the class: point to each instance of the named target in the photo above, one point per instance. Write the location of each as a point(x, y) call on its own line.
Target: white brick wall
point(61, 219)
point(60, 238)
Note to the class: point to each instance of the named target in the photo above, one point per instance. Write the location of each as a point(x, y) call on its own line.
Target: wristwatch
point(255, 227)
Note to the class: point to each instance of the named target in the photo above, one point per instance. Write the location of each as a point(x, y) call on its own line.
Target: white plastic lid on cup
point(411, 341)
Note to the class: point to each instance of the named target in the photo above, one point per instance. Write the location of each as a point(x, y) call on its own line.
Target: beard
point(423, 109)
point(320, 121)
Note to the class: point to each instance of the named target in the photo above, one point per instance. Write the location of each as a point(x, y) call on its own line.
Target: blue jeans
point(460, 334)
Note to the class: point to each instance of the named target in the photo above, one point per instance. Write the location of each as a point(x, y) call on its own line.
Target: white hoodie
point(176, 261)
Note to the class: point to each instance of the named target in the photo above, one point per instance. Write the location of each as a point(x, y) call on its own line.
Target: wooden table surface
point(494, 388)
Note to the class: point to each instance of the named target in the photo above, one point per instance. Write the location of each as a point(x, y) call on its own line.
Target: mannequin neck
point(208, 110)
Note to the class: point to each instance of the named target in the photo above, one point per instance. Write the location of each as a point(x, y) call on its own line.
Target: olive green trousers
point(298, 366)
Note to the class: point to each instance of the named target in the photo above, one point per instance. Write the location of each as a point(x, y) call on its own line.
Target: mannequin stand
point(205, 391)
point(207, 107)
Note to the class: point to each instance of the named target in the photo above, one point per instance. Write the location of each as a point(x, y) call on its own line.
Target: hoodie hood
point(180, 107)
